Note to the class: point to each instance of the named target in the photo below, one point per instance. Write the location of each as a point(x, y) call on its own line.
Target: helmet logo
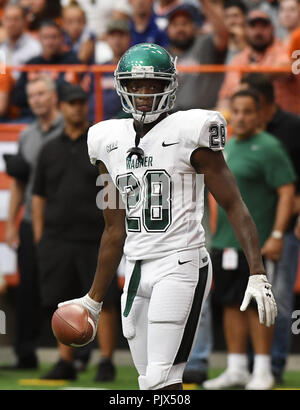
point(139, 70)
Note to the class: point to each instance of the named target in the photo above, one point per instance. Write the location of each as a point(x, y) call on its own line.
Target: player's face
point(145, 86)
point(244, 117)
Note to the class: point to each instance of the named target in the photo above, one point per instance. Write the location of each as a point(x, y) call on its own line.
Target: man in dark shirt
point(51, 39)
point(66, 220)
point(286, 127)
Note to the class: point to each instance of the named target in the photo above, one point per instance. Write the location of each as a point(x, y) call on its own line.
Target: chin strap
point(139, 132)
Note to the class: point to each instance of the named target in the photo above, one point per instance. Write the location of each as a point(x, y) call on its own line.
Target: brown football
point(72, 325)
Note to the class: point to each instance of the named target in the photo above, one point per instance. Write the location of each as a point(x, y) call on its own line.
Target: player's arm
point(222, 185)
point(112, 242)
point(110, 250)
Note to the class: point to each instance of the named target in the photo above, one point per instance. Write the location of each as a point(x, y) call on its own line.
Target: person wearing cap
point(197, 90)
point(164, 8)
point(66, 220)
point(118, 38)
point(263, 49)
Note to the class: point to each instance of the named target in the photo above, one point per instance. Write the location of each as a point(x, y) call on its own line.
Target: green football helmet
point(142, 61)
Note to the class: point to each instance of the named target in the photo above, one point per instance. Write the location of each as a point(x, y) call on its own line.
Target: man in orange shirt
point(263, 50)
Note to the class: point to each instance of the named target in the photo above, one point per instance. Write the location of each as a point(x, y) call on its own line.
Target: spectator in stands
point(265, 177)
point(235, 13)
point(51, 38)
point(48, 124)
point(197, 90)
point(2, 30)
point(99, 12)
point(67, 224)
point(78, 37)
point(19, 46)
point(286, 127)
point(163, 9)
point(118, 39)
point(143, 26)
point(40, 10)
point(263, 50)
point(3, 3)
point(289, 18)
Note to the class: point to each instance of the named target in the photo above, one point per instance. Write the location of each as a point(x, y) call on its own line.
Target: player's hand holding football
point(91, 305)
point(259, 289)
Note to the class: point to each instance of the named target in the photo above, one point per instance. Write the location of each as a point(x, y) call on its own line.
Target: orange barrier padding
point(5, 181)
point(98, 70)
point(12, 280)
point(205, 68)
point(11, 132)
point(2, 231)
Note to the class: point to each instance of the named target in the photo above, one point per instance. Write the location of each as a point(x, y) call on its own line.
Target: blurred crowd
point(60, 102)
point(232, 32)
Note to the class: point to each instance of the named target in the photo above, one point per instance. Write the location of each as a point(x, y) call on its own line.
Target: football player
point(148, 159)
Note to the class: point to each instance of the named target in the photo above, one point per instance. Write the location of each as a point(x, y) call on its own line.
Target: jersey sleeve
point(96, 145)
point(213, 132)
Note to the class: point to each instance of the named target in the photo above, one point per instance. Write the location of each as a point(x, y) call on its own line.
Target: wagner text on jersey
point(139, 162)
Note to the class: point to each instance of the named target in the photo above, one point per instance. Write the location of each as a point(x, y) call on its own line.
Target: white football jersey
point(163, 195)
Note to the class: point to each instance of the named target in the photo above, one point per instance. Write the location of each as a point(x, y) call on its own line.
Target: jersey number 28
point(154, 199)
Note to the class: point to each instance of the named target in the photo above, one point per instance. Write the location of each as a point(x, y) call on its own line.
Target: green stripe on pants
point(133, 287)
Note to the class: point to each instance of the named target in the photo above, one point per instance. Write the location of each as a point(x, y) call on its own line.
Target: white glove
point(259, 289)
point(91, 305)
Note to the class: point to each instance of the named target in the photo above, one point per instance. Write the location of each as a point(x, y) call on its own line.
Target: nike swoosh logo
point(182, 263)
point(167, 145)
point(113, 149)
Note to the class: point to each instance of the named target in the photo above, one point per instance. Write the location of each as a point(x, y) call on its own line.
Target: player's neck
point(148, 126)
